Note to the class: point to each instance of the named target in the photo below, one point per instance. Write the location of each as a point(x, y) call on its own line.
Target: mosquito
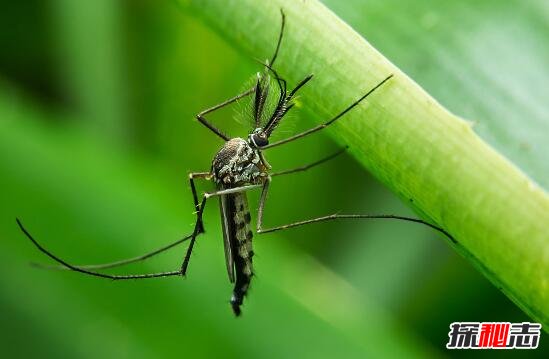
point(238, 167)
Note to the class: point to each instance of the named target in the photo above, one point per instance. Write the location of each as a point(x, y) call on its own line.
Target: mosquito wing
point(226, 225)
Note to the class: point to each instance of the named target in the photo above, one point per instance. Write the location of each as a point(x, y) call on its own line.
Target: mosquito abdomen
point(243, 250)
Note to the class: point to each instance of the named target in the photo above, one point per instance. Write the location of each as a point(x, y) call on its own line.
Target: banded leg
point(326, 124)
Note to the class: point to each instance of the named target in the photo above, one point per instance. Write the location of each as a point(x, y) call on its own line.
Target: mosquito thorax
point(238, 163)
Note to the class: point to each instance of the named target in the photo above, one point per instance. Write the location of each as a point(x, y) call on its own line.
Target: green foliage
point(97, 135)
point(428, 156)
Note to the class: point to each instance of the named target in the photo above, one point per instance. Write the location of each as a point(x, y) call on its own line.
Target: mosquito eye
point(260, 141)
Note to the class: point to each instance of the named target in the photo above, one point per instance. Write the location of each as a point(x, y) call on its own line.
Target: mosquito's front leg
point(196, 231)
point(212, 128)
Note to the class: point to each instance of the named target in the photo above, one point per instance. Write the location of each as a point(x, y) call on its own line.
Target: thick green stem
point(432, 159)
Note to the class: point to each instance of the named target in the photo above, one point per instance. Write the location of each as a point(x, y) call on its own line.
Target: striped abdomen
point(238, 234)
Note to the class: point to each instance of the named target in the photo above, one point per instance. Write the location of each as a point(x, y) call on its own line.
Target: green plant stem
point(431, 158)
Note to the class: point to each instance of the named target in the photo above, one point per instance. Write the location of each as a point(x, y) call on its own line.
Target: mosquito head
point(258, 138)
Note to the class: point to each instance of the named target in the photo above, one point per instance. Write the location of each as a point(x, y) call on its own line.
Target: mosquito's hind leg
point(145, 256)
point(267, 182)
point(263, 200)
point(332, 217)
point(89, 272)
point(118, 263)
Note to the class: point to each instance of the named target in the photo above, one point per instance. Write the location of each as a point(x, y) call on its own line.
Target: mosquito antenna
point(279, 37)
point(282, 99)
point(261, 93)
point(284, 107)
point(280, 81)
point(95, 274)
point(258, 103)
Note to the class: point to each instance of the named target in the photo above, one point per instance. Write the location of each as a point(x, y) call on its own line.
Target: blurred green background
point(97, 135)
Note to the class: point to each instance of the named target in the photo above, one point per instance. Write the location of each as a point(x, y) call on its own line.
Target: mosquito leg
point(214, 129)
point(180, 272)
point(310, 165)
point(332, 217)
point(267, 183)
point(89, 272)
point(326, 124)
point(199, 218)
point(123, 262)
point(117, 263)
point(262, 200)
point(357, 216)
point(284, 103)
point(192, 176)
point(279, 37)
